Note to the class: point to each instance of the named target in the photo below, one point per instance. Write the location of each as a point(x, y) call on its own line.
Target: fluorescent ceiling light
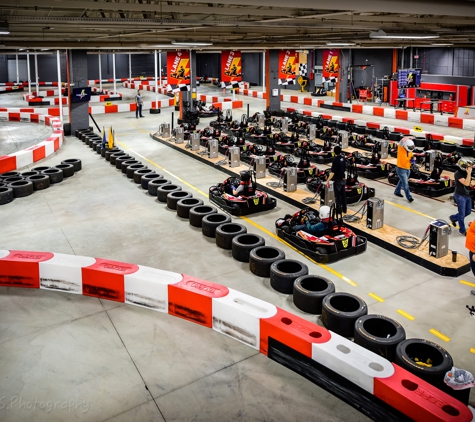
point(441, 44)
point(336, 44)
point(191, 43)
point(400, 35)
point(4, 28)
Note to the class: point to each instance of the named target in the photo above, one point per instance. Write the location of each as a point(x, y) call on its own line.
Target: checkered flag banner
point(303, 69)
point(290, 81)
point(177, 88)
point(332, 80)
point(230, 85)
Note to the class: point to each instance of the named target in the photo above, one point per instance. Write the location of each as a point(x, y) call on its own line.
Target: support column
point(78, 112)
point(272, 79)
point(344, 76)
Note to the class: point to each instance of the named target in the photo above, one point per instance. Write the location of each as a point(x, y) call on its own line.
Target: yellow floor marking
point(379, 299)
point(405, 314)
point(472, 350)
point(410, 209)
point(439, 334)
point(467, 283)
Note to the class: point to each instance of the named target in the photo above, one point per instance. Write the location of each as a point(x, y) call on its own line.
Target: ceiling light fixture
point(4, 28)
point(191, 43)
point(400, 35)
point(340, 44)
point(441, 44)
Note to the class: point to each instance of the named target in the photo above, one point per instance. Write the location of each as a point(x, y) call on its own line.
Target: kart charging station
point(213, 148)
point(384, 149)
point(328, 194)
point(285, 125)
point(179, 137)
point(234, 157)
point(375, 213)
point(165, 130)
point(429, 160)
point(260, 167)
point(312, 132)
point(344, 139)
point(290, 179)
point(195, 141)
point(439, 238)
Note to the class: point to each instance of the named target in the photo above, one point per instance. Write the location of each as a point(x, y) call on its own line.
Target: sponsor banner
point(178, 67)
point(331, 64)
point(231, 66)
point(288, 64)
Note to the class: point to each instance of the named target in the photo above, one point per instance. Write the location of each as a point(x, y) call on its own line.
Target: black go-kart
point(322, 154)
point(204, 110)
point(284, 143)
point(337, 243)
point(371, 167)
point(225, 142)
point(254, 201)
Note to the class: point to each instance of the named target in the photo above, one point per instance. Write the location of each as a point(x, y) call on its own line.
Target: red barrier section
point(34, 118)
point(291, 109)
point(293, 331)
point(22, 268)
point(294, 99)
point(357, 108)
point(401, 114)
point(337, 104)
point(418, 399)
point(437, 136)
point(307, 101)
point(427, 118)
point(307, 113)
point(14, 117)
point(404, 130)
point(111, 109)
point(7, 163)
point(378, 111)
point(373, 125)
point(454, 122)
point(320, 102)
point(467, 142)
point(191, 299)
point(349, 120)
point(327, 116)
point(38, 153)
point(105, 279)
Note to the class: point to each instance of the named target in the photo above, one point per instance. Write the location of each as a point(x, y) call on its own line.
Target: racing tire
point(436, 145)
point(40, 181)
point(174, 197)
point(10, 174)
point(121, 159)
point(199, 212)
point(113, 157)
point(340, 311)
point(76, 162)
point(284, 272)
point(154, 184)
point(261, 259)
point(225, 233)
point(130, 171)
point(360, 129)
point(164, 190)
point(419, 141)
point(147, 178)
point(395, 136)
point(95, 144)
point(341, 125)
point(379, 334)
point(109, 152)
point(68, 169)
point(309, 292)
point(465, 150)
point(55, 175)
point(183, 206)
point(6, 195)
point(210, 223)
point(448, 147)
point(21, 188)
point(141, 172)
point(243, 244)
point(126, 163)
point(99, 148)
point(370, 131)
point(12, 179)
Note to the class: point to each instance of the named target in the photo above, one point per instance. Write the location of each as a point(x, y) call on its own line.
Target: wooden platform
point(384, 237)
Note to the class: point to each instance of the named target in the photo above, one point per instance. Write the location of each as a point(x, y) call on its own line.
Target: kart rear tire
point(40, 181)
point(141, 172)
point(126, 163)
point(284, 272)
point(395, 136)
point(210, 223)
point(183, 206)
point(11, 174)
point(76, 162)
point(132, 169)
point(154, 184)
point(340, 311)
point(379, 334)
point(243, 244)
point(309, 292)
point(6, 195)
point(55, 175)
point(261, 259)
point(164, 190)
point(21, 188)
point(27, 174)
point(225, 233)
point(147, 178)
point(68, 169)
point(199, 212)
point(465, 150)
point(174, 197)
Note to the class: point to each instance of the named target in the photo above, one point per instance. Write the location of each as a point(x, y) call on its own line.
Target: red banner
point(231, 66)
point(288, 64)
point(331, 63)
point(178, 67)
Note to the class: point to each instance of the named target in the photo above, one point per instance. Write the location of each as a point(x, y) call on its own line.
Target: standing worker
point(462, 177)
point(337, 173)
point(403, 169)
point(138, 105)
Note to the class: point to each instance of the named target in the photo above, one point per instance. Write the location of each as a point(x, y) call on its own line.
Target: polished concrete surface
point(68, 357)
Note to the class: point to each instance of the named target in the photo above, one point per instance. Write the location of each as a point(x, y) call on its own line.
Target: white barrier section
point(148, 287)
point(413, 116)
point(63, 272)
point(390, 113)
point(352, 361)
point(441, 120)
point(238, 316)
point(368, 110)
point(4, 253)
point(24, 158)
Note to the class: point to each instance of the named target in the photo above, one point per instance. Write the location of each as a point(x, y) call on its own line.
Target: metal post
point(130, 66)
point(173, 118)
point(156, 84)
point(36, 75)
point(59, 86)
point(100, 71)
point(160, 66)
point(28, 69)
point(113, 71)
point(263, 74)
point(248, 111)
point(17, 75)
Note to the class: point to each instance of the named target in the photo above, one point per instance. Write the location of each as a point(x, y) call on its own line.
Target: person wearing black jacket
point(337, 174)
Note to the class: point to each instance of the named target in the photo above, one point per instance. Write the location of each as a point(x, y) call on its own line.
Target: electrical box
point(234, 157)
point(438, 238)
point(179, 138)
point(429, 160)
point(328, 197)
point(260, 167)
point(384, 149)
point(312, 132)
point(285, 125)
point(213, 148)
point(344, 139)
point(165, 130)
point(290, 179)
point(261, 120)
point(195, 141)
point(375, 213)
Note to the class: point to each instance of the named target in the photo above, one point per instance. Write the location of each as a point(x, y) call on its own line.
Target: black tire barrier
point(116, 155)
point(465, 150)
point(40, 181)
point(130, 171)
point(261, 259)
point(99, 148)
point(360, 129)
point(21, 188)
point(55, 175)
point(210, 223)
point(174, 197)
point(379, 134)
point(6, 195)
point(141, 172)
point(121, 159)
point(146, 178)
point(448, 147)
point(126, 163)
point(199, 212)
point(243, 244)
point(164, 190)
point(154, 184)
point(341, 125)
point(95, 144)
point(76, 162)
point(12, 179)
point(370, 131)
point(225, 233)
point(379, 334)
point(436, 145)
point(284, 272)
point(309, 292)
point(340, 312)
point(2, 185)
point(183, 206)
point(103, 152)
point(419, 141)
point(395, 136)
point(109, 152)
point(10, 174)
point(68, 169)
point(67, 129)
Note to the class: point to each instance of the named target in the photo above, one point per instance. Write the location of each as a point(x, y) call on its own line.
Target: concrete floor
point(68, 357)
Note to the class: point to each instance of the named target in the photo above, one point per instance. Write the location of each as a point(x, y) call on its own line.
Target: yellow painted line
point(379, 299)
point(410, 210)
point(405, 314)
point(467, 283)
point(439, 334)
point(472, 350)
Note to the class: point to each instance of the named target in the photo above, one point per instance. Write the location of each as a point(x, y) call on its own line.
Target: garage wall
point(121, 66)
point(252, 68)
point(208, 65)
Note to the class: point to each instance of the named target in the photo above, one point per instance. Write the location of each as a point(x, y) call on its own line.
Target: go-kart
point(371, 167)
point(257, 201)
point(204, 110)
point(250, 152)
point(285, 143)
point(337, 243)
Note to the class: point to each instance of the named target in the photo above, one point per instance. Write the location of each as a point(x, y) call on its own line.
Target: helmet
point(407, 144)
point(324, 212)
point(463, 163)
point(245, 175)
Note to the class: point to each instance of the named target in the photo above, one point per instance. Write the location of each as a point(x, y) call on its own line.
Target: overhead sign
point(178, 67)
point(231, 66)
point(288, 64)
point(331, 63)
